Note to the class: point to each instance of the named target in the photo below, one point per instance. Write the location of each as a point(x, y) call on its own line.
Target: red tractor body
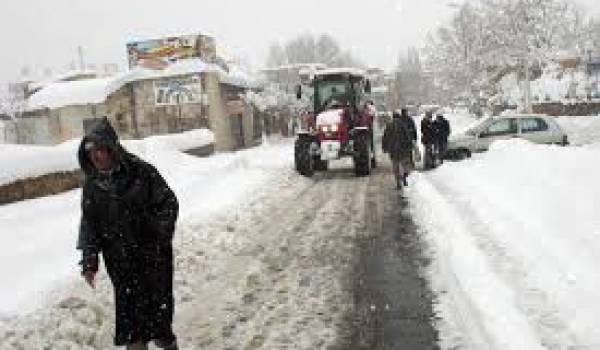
point(341, 123)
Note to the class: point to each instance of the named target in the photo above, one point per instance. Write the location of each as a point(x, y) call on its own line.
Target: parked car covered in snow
point(537, 128)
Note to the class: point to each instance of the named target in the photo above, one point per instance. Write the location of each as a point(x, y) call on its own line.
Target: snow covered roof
point(94, 91)
point(70, 93)
point(379, 89)
point(237, 77)
point(181, 67)
point(334, 71)
point(296, 66)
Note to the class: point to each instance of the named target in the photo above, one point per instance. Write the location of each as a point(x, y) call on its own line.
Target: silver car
point(536, 128)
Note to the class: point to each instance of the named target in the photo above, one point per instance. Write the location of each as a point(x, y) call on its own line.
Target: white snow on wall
point(24, 161)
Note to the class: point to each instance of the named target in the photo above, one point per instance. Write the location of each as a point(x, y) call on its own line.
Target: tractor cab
point(338, 88)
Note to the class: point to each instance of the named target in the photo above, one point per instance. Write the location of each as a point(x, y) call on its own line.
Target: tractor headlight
point(334, 128)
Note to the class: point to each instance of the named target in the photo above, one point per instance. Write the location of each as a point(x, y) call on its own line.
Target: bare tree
point(306, 48)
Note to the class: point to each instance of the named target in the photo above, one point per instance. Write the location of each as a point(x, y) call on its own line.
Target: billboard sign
point(177, 91)
point(159, 53)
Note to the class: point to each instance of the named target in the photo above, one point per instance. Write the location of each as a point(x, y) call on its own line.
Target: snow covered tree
point(487, 37)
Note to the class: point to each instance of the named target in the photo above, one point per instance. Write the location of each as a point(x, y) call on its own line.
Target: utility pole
point(527, 88)
point(81, 59)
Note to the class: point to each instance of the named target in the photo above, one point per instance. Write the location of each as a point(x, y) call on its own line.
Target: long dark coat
point(427, 132)
point(409, 123)
point(397, 140)
point(441, 130)
point(129, 216)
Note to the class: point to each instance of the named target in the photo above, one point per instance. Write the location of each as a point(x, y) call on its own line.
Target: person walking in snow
point(128, 216)
point(409, 124)
point(398, 143)
point(441, 128)
point(428, 139)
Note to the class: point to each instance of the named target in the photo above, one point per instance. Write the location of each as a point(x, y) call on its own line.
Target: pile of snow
point(25, 161)
point(582, 130)
point(37, 237)
point(515, 233)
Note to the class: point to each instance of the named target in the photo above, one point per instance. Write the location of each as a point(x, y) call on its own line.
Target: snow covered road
point(507, 240)
point(265, 258)
point(515, 238)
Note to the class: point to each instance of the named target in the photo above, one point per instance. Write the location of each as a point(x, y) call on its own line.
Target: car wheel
point(463, 154)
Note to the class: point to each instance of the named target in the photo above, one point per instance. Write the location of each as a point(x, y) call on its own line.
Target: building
point(287, 77)
point(173, 84)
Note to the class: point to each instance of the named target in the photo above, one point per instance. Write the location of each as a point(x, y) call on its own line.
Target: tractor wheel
point(362, 155)
point(320, 165)
point(303, 159)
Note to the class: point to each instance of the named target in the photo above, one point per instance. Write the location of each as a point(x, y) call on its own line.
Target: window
point(329, 91)
point(529, 125)
point(501, 127)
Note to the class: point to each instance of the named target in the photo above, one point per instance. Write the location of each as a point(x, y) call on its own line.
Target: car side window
point(500, 127)
point(529, 125)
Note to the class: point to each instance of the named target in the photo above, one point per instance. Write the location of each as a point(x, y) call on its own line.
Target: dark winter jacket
point(129, 217)
point(427, 132)
point(441, 128)
point(409, 124)
point(397, 140)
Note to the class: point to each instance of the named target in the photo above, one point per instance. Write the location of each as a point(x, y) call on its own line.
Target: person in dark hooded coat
point(428, 140)
point(398, 143)
point(128, 216)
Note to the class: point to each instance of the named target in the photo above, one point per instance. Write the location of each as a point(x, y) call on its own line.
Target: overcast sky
point(46, 33)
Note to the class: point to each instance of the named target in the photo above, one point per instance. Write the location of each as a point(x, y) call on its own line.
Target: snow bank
point(37, 237)
point(516, 232)
point(581, 130)
point(24, 161)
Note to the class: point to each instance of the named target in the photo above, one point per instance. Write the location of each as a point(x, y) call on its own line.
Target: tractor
point(340, 124)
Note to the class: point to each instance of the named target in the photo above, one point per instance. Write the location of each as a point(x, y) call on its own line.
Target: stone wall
point(153, 119)
point(47, 185)
point(40, 186)
point(575, 109)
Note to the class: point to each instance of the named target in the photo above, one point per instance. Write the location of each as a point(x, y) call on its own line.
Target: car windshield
point(476, 127)
point(328, 93)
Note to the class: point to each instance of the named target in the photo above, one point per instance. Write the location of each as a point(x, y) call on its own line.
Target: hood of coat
point(104, 134)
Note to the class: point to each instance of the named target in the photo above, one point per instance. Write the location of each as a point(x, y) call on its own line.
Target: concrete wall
point(40, 186)
point(220, 124)
point(8, 131)
point(558, 109)
point(155, 119)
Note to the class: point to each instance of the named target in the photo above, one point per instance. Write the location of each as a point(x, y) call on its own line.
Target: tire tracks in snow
point(292, 291)
point(529, 300)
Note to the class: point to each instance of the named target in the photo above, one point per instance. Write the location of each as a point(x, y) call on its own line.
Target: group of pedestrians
point(400, 142)
point(434, 137)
